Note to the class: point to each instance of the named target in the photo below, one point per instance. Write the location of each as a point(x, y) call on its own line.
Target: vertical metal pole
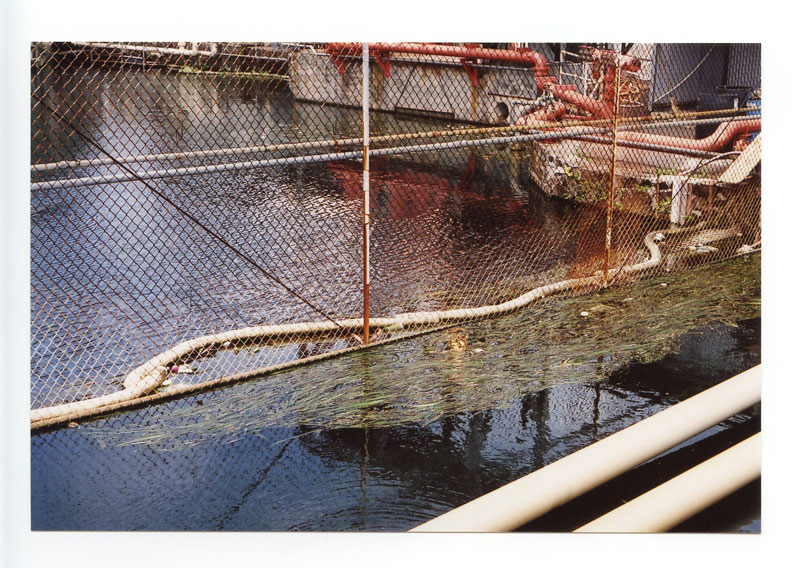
point(610, 208)
point(365, 110)
point(651, 97)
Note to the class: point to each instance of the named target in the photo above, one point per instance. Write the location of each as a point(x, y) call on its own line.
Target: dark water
point(118, 275)
point(377, 479)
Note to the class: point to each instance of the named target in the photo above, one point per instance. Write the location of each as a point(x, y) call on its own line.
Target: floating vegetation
point(470, 367)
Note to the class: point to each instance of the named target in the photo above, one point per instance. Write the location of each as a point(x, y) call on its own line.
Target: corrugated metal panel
point(683, 71)
point(744, 67)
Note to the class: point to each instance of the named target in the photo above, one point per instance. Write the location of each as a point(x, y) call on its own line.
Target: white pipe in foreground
point(313, 158)
point(679, 499)
point(529, 497)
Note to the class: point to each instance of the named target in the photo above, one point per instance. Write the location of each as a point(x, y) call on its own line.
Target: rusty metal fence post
point(365, 115)
point(612, 182)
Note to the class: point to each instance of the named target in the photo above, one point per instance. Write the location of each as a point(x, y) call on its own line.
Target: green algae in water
point(474, 366)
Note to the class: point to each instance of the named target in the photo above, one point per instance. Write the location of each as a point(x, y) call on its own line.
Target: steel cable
point(219, 238)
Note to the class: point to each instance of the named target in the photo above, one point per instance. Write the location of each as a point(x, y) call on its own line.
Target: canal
point(387, 438)
point(119, 274)
point(377, 440)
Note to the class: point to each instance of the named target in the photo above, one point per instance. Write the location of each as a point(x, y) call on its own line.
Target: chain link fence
point(200, 215)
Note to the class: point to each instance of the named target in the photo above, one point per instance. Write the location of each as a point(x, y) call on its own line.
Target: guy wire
point(188, 215)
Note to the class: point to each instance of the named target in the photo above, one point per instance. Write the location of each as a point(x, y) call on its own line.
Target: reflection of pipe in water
point(368, 385)
point(542, 436)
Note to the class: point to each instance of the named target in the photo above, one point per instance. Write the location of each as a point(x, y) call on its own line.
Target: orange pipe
point(597, 108)
point(547, 114)
point(534, 58)
point(721, 137)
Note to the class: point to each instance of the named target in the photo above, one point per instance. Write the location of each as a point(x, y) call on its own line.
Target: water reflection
point(301, 478)
point(118, 275)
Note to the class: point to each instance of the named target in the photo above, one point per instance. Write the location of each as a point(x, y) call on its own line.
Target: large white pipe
point(308, 159)
point(681, 498)
point(193, 154)
point(529, 497)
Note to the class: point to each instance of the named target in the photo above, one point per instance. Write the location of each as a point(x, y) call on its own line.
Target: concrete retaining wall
point(435, 87)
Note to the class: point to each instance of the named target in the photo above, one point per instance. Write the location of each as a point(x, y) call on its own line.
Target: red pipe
point(585, 102)
point(724, 134)
point(533, 58)
point(599, 108)
point(548, 114)
point(602, 109)
point(721, 137)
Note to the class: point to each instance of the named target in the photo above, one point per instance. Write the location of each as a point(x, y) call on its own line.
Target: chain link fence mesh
point(197, 210)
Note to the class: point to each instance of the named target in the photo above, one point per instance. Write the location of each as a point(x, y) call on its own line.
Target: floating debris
point(419, 380)
point(703, 249)
point(457, 339)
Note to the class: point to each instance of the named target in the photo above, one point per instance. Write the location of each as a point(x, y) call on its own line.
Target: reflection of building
point(65, 91)
point(399, 194)
point(438, 240)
